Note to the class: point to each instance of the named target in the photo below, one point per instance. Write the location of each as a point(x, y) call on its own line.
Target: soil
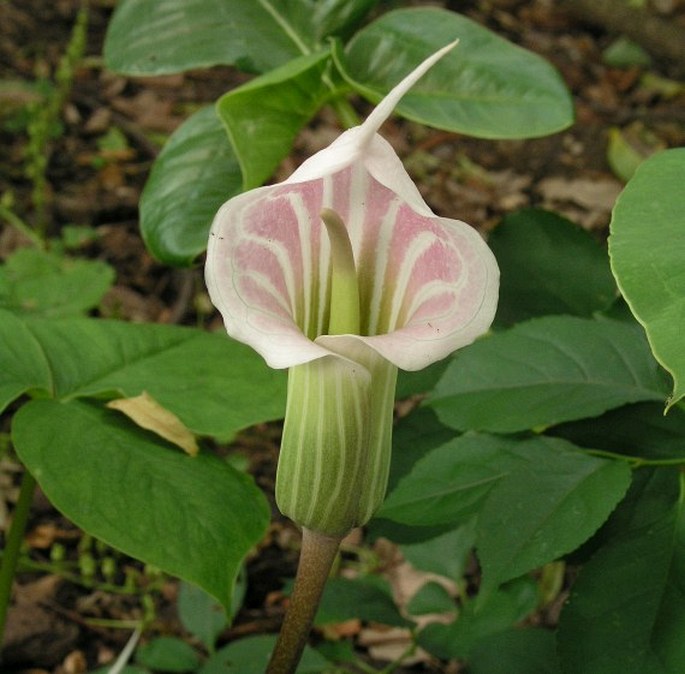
point(53, 627)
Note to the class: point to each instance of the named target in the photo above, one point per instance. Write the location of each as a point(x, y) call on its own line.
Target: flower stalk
point(15, 538)
point(317, 555)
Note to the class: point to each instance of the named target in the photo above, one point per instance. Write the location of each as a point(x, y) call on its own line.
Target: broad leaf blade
point(487, 87)
point(155, 38)
point(547, 371)
point(23, 365)
point(640, 430)
point(647, 248)
point(215, 385)
point(194, 517)
point(337, 17)
point(251, 656)
point(37, 282)
point(194, 174)
point(511, 604)
point(449, 484)
point(516, 651)
point(535, 499)
point(264, 116)
point(566, 270)
point(626, 612)
point(344, 599)
point(548, 505)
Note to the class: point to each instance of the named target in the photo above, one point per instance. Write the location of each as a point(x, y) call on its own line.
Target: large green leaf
point(626, 612)
point(516, 651)
point(214, 384)
point(344, 599)
point(504, 608)
point(194, 517)
point(264, 116)
point(546, 371)
point(548, 265)
point(548, 505)
point(535, 499)
point(647, 248)
point(250, 655)
point(487, 87)
point(450, 483)
point(640, 430)
point(23, 365)
point(194, 174)
point(152, 38)
point(34, 281)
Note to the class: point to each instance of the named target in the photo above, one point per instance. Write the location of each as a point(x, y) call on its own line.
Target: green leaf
point(626, 612)
point(37, 282)
point(168, 654)
point(419, 381)
point(264, 116)
point(640, 430)
point(622, 157)
point(566, 271)
point(430, 598)
point(201, 615)
point(156, 38)
point(215, 385)
point(647, 248)
point(450, 483)
point(344, 599)
point(194, 517)
point(548, 505)
point(193, 175)
point(251, 655)
point(624, 53)
point(516, 651)
point(536, 499)
point(23, 365)
point(413, 437)
point(487, 87)
point(547, 371)
point(337, 17)
point(447, 554)
point(503, 609)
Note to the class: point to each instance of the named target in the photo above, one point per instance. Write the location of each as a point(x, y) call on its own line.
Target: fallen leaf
point(590, 193)
point(145, 411)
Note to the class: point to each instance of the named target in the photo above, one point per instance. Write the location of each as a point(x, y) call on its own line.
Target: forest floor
point(113, 127)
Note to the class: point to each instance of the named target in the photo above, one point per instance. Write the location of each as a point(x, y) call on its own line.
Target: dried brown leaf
point(145, 411)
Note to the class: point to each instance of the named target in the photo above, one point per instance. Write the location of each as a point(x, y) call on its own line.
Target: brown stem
point(316, 558)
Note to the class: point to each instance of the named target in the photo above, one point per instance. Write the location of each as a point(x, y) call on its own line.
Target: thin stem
point(344, 111)
point(634, 461)
point(18, 224)
point(316, 558)
point(15, 537)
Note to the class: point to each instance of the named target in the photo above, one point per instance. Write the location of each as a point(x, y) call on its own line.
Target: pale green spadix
point(344, 301)
point(335, 451)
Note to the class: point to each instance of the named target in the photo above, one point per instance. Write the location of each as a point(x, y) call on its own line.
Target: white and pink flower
point(427, 285)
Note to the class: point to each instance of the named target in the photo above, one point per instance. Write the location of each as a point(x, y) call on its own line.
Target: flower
point(343, 274)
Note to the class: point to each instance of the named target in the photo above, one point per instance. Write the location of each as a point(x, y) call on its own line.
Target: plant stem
point(15, 537)
point(18, 224)
point(635, 461)
point(345, 113)
point(316, 558)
